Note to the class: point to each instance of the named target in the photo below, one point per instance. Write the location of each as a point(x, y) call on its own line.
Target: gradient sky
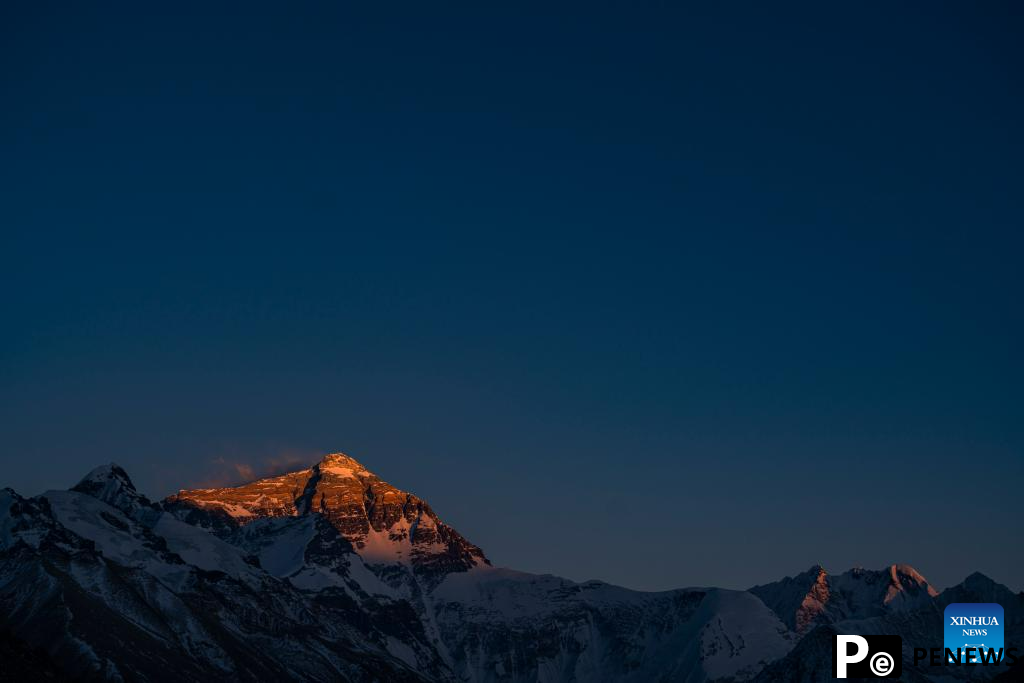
point(663, 296)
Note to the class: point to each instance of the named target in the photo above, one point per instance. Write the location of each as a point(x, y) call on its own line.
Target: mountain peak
point(341, 465)
point(105, 476)
point(112, 485)
point(979, 578)
point(978, 588)
point(384, 524)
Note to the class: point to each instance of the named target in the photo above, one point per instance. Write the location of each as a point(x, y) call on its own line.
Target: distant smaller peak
point(105, 473)
point(979, 578)
point(111, 484)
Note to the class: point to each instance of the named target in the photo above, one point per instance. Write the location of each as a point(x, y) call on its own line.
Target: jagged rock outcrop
point(800, 601)
point(814, 597)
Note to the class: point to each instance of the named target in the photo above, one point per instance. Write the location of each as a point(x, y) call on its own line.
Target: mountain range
point(330, 573)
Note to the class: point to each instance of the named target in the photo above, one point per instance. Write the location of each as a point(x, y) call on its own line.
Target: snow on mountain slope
point(505, 625)
point(203, 550)
point(279, 543)
point(740, 635)
point(117, 537)
point(106, 508)
point(308, 552)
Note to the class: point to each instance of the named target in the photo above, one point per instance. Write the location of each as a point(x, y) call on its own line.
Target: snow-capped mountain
point(330, 573)
point(486, 623)
point(385, 526)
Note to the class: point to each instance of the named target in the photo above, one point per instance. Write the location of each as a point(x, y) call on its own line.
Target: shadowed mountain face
point(330, 573)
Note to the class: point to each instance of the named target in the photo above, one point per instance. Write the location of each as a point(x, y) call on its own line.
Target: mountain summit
point(384, 524)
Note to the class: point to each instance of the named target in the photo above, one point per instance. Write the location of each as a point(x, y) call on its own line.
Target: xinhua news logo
point(976, 630)
point(867, 657)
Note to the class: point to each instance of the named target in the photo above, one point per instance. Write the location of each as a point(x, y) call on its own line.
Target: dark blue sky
point(659, 295)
